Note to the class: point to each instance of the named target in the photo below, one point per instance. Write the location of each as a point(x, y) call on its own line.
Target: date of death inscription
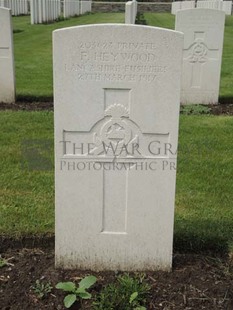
point(115, 62)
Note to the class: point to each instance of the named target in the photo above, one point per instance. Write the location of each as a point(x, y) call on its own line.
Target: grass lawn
point(204, 213)
point(33, 51)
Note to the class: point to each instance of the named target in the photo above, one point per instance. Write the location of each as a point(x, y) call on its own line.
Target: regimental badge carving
point(198, 52)
point(115, 136)
point(117, 132)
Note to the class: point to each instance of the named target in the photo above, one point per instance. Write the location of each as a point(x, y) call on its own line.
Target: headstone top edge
point(112, 25)
point(196, 10)
point(5, 9)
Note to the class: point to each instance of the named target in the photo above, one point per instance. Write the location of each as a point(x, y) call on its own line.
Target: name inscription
point(116, 61)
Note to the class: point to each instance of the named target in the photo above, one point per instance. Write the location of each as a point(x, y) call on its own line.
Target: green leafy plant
point(5, 262)
point(60, 18)
point(195, 109)
point(134, 302)
point(76, 292)
point(128, 293)
point(18, 30)
point(140, 19)
point(41, 289)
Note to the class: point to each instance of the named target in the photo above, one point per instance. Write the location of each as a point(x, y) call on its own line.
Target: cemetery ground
point(34, 43)
point(202, 275)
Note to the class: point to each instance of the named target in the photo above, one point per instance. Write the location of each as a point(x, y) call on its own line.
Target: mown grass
point(33, 52)
point(27, 197)
point(204, 213)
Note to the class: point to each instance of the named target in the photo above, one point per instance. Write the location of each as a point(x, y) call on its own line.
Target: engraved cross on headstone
point(115, 139)
point(198, 54)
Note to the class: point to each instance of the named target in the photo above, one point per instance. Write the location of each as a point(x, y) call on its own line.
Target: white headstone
point(203, 42)
point(181, 5)
point(176, 5)
point(7, 74)
point(130, 12)
point(227, 7)
point(18, 7)
point(213, 4)
point(44, 11)
point(85, 6)
point(117, 97)
point(71, 8)
point(187, 5)
point(2, 3)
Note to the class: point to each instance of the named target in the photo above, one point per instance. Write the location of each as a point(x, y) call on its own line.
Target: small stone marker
point(130, 12)
point(202, 56)
point(7, 75)
point(117, 97)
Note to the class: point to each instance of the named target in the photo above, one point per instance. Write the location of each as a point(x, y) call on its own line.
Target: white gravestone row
point(202, 55)
point(225, 6)
point(176, 5)
point(130, 12)
point(18, 7)
point(43, 11)
point(76, 7)
point(117, 98)
point(180, 5)
point(7, 77)
point(71, 8)
point(215, 5)
point(85, 6)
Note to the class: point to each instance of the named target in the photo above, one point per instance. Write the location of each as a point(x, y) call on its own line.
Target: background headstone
point(176, 5)
point(44, 11)
point(227, 7)
point(202, 56)
point(85, 6)
point(213, 4)
point(18, 7)
point(130, 12)
point(7, 74)
point(116, 85)
point(181, 5)
point(71, 8)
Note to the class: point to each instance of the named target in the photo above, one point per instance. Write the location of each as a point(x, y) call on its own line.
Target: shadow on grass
point(18, 30)
point(226, 100)
point(189, 242)
point(32, 98)
point(32, 241)
point(184, 243)
point(40, 98)
point(202, 236)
